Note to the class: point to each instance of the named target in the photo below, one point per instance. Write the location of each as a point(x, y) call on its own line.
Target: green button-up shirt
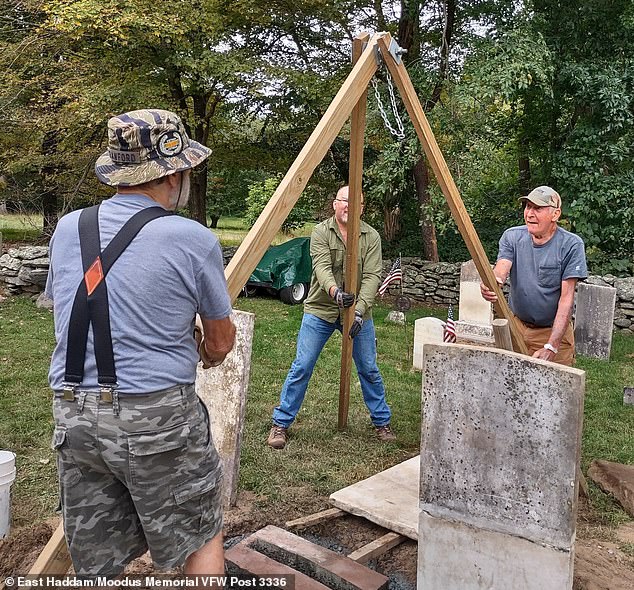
point(328, 251)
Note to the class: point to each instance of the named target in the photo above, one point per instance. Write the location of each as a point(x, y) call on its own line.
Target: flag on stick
point(395, 274)
point(450, 327)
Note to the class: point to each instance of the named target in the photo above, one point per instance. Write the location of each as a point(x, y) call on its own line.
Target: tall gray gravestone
point(223, 390)
point(499, 470)
point(594, 318)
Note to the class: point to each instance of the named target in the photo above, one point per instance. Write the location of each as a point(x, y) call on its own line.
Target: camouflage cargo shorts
point(136, 473)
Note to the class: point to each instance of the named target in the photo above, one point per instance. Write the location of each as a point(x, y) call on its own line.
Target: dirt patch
point(21, 548)
point(599, 563)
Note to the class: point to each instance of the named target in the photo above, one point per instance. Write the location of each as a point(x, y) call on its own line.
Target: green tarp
point(284, 265)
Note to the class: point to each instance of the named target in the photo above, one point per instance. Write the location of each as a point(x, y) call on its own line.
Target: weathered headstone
point(594, 319)
point(426, 330)
point(628, 396)
point(223, 390)
point(475, 314)
point(500, 451)
point(395, 317)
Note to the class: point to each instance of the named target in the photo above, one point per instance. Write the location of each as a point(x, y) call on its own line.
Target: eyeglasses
point(346, 201)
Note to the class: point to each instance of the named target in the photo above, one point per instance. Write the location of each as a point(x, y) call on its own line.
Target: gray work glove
point(342, 298)
point(357, 324)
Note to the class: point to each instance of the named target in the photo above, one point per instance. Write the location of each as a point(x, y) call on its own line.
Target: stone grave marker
point(474, 313)
point(594, 318)
point(223, 390)
point(499, 470)
point(426, 330)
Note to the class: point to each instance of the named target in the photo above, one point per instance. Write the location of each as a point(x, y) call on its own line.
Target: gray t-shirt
point(537, 271)
point(171, 270)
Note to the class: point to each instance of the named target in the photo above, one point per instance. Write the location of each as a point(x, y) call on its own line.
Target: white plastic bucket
point(7, 475)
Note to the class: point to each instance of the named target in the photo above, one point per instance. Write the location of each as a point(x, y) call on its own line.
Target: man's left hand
point(544, 354)
point(357, 324)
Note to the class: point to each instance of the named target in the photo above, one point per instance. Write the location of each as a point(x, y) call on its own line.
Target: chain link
point(400, 132)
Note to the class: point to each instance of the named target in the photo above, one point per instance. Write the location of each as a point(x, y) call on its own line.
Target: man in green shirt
point(322, 316)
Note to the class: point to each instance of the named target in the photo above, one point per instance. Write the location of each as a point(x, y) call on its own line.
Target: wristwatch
point(550, 347)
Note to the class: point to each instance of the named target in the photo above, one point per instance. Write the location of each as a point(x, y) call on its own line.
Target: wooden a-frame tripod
point(350, 101)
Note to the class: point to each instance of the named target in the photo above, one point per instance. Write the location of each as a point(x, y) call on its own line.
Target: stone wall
point(23, 270)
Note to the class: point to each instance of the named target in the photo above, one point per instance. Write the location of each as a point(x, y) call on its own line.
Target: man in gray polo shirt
point(545, 262)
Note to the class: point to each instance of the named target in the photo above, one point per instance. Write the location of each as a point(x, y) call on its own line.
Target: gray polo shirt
point(538, 271)
point(171, 270)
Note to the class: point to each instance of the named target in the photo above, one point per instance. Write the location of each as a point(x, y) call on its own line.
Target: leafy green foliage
point(260, 194)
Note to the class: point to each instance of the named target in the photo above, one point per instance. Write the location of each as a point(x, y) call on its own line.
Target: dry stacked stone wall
point(23, 271)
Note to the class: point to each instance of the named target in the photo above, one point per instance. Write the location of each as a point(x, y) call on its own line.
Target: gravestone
point(426, 330)
point(223, 390)
point(475, 314)
point(628, 396)
point(499, 470)
point(594, 318)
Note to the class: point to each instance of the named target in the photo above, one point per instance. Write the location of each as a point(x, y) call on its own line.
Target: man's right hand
point(487, 293)
point(342, 298)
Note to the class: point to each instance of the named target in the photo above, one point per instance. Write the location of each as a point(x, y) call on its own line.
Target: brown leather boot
point(277, 437)
point(385, 434)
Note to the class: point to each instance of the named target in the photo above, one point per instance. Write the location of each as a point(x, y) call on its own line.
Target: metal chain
point(400, 132)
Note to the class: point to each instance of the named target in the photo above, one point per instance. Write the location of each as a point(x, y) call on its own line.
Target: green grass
point(18, 227)
point(232, 230)
point(319, 459)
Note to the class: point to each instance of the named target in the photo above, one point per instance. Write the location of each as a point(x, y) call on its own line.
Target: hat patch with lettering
point(170, 144)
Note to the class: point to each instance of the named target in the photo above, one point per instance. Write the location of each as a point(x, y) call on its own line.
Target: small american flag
point(395, 274)
point(450, 327)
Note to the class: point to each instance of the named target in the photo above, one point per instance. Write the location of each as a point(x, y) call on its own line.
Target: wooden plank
point(357, 128)
point(290, 188)
point(448, 187)
point(311, 519)
point(54, 558)
point(376, 548)
point(502, 334)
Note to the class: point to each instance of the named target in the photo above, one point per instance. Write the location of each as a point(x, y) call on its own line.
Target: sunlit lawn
point(231, 230)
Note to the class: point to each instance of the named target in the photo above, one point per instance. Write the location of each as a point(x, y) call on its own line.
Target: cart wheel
point(294, 294)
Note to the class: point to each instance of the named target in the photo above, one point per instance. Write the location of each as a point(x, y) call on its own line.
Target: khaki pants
point(535, 338)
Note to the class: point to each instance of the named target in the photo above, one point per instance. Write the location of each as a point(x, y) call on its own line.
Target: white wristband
point(550, 347)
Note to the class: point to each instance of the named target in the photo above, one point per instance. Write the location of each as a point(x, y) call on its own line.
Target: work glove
point(342, 298)
point(357, 324)
point(199, 337)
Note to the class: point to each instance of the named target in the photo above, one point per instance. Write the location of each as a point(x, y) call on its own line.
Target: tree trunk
point(214, 221)
point(49, 212)
point(200, 133)
point(391, 222)
point(49, 188)
point(427, 229)
point(409, 38)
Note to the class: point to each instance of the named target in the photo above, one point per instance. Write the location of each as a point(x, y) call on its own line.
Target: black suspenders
point(91, 299)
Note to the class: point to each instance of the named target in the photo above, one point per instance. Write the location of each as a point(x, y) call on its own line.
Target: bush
point(260, 194)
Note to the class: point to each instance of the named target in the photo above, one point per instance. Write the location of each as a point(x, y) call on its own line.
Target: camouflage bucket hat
point(145, 145)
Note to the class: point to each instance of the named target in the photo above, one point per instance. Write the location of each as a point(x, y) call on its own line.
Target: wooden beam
point(448, 187)
point(357, 128)
point(376, 548)
point(311, 519)
point(54, 558)
point(290, 188)
point(502, 334)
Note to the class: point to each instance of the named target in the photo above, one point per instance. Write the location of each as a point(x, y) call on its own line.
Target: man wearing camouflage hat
point(137, 467)
point(545, 262)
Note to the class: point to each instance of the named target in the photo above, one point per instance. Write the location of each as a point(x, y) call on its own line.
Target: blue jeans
point(313, 335)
